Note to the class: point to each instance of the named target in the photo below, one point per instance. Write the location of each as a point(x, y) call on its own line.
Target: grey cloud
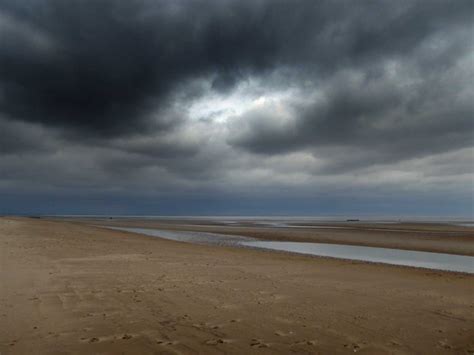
point(96, 95)
point(113, 63)
point(108, 64)
point(410, 111)
point(19, 138)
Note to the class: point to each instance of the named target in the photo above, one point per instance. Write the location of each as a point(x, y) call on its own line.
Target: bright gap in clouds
point(248, 95)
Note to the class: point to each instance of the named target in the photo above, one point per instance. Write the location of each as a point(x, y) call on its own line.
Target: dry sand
point(71, 288)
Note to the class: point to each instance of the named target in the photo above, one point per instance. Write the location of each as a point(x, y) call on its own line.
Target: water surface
point(438, 261)
point(189, 236)
point(422, 259)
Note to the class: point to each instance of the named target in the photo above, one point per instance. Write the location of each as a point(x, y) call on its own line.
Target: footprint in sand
point(207, 326)
point(444, 344)
point(281, 333)
point(305, 342)
point(215, 341)
point(355, 347)
point(166, 342)
point(258, 343)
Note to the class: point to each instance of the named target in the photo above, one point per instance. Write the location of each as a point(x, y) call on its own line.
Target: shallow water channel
point(421, 259)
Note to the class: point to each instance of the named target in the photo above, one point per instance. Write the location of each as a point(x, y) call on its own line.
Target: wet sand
point(438, 238)
point(68, 287)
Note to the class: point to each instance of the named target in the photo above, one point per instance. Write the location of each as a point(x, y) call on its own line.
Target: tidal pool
point(422, 259)
point(438, 261)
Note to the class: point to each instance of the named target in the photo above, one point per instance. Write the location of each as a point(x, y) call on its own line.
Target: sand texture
point(68, 287)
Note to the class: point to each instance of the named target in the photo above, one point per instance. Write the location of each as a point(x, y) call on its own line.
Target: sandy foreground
point(69, 287)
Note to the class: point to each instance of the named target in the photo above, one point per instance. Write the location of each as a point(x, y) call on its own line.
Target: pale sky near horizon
point(237, 107)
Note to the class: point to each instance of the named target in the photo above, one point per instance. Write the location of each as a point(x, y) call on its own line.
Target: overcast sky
point(237, 107)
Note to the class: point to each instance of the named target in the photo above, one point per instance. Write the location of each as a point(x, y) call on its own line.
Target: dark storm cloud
point(405, 91)
point(394, 116)
point(236, 97)
point(108, 65)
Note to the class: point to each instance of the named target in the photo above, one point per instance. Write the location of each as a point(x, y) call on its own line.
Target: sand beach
point(72, 287)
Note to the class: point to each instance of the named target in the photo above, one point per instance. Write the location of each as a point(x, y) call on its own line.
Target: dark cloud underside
point(105, 64)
